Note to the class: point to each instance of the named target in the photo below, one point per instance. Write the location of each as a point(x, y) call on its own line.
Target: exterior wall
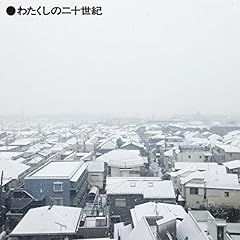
point(89, 147)
point(235, 171)
point(131, 201)
point(231, 156)
point(39, 188)
point(169, 227)
point(214, 197)
point(191, 156)
point(221, 156)
point(79, 191)
point(73, 194)
point(131, 172)
point(45, 237)
point(94, 232)
point(97, 179)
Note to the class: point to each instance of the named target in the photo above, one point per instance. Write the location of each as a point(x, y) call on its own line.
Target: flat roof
point(149, 187)
point(59, 169)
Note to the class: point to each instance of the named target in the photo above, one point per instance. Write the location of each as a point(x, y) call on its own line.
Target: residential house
point(125, 193)
point(48, 223)
point(224, 153)
point(125, 163)
point(213, 187)
point(61, 182)
point(193, 153)
point(233, 167)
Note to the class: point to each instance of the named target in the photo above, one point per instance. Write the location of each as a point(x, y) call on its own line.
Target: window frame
point(120, 200)
point(56, 199)
point(57, 183)
point(194, 191)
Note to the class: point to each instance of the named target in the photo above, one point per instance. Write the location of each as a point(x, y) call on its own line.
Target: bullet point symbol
point(11, 11)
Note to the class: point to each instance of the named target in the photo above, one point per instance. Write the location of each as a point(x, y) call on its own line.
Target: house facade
point(61, 183)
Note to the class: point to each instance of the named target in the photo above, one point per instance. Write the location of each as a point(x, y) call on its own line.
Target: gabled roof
point(108, 144)
point(139, 145)
point(11, 170)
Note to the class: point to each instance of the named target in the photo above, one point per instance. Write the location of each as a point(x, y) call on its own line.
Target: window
point(58, 201)
point(116, 219)
point(226, 194)
point(134, 172)
point(132, 184)
point(101, 222)
point(120, 202)
point(194, 191)
point(150, 184)
point(57, 186)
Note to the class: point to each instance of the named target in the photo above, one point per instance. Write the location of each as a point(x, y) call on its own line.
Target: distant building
point(107, 145)
point(224, 153)
point(193, 153)
point(132, 145)
point(233, 167)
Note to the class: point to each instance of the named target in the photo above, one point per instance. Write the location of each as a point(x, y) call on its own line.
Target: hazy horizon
point(138, 59)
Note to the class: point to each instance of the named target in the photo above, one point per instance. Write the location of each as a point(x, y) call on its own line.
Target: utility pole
point(1, 200)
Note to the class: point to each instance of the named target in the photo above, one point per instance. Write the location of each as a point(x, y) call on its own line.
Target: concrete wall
point(214, 197)
point(191, 156)
point(133, 172)
point(97, 179)
point(131, 201)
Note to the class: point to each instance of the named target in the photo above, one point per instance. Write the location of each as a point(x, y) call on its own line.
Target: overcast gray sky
point(139, 58)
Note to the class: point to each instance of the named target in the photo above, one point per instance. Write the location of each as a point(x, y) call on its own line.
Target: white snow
point(42, 220)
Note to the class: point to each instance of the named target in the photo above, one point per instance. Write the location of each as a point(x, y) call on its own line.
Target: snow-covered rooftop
point(229, 148)
point(12, 169)
point(216, 178)
point(123, 158)
point(45, 220)
point(194, 165)
point(60, 169)
point(157, 209)
point(232, 164)
point(96, 166)
point(150, 187)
